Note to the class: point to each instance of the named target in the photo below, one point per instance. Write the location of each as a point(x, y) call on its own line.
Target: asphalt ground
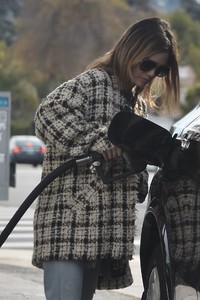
point(19, 280)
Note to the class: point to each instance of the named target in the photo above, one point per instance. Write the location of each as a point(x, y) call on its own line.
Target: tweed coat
point(77, 216)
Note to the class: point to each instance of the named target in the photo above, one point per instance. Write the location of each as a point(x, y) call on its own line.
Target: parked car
point(26, 149)
point(170, 248)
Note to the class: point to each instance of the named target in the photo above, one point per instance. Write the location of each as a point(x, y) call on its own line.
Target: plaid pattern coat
point(77, 216)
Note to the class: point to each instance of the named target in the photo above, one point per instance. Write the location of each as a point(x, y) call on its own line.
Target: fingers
point(112, 152)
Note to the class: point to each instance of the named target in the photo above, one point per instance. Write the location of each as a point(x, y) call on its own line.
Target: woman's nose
point(152, 73)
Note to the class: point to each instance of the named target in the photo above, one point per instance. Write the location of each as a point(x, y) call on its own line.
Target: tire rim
point(153, 292)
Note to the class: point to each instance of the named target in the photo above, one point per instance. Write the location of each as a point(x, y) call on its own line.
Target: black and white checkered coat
point(77, 216)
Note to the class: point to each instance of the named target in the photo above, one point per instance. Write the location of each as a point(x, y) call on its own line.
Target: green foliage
point(192, 98)
point(9, 9)
point(7, 78)
point(143, 4)
point(61, 38)
point(187, 32)
point(192, 7)
point(24, 93)
point(57, 40)
point(194, 58)
point(24, 104)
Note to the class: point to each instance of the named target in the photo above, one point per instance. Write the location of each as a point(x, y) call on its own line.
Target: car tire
point(155, 282)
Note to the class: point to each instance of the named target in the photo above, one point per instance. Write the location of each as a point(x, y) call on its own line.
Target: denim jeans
point(70, 280)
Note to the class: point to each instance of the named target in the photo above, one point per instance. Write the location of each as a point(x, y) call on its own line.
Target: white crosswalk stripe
point(22, 235)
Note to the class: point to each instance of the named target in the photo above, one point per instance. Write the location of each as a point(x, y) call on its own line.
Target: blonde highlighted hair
point(141, 40)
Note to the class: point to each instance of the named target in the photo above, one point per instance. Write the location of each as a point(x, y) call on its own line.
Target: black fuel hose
point(93, 160)
point(33, 195)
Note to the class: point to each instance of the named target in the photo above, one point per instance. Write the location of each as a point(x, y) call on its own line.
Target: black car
point(26, 149)
point(170, 239)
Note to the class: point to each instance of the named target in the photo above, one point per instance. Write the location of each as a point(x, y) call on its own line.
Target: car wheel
point(155, 283)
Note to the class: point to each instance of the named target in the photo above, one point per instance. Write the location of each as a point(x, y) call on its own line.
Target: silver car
point(170, 247)
point(26, 149)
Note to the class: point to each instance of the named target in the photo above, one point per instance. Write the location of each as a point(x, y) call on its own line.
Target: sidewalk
point(19, 280)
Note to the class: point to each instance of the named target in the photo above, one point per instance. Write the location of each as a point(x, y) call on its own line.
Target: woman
point(84, 229)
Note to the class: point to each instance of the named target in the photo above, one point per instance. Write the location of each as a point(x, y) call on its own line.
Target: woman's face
point(156, 65)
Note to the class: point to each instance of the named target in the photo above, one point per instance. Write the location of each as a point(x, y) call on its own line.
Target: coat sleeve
point(60, 121)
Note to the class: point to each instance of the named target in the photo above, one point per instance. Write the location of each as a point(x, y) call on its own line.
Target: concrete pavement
point(19, 280)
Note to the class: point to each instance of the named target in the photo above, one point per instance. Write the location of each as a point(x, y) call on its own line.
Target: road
point(27, 177)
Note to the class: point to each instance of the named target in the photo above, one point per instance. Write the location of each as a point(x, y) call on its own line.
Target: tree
point(61, 37)
point(192, 98)
point(55, 41)
point(192, 7)
point(9, 10)
point(142, 4)
point(194, 58)
point(188, 32)
point(24, 94)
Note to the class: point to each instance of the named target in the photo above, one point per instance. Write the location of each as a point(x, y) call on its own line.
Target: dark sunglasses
point(147, 65)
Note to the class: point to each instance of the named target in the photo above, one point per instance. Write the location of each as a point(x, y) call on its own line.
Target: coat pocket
point(85, 201)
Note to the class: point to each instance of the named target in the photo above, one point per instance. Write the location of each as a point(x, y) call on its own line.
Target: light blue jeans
point(70, 280)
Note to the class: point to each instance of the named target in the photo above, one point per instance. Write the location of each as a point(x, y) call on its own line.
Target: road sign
point(5, 100)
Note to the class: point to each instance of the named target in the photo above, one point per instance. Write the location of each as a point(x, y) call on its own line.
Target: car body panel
point(184, 157)
point(155, 231)
point(188, 125)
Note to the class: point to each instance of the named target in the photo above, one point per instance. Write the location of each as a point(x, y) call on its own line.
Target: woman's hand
point(112, 152)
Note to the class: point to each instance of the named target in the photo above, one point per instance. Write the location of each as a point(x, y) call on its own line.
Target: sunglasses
point(147, 65)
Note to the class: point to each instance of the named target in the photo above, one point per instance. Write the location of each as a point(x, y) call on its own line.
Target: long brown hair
point(143, 39)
